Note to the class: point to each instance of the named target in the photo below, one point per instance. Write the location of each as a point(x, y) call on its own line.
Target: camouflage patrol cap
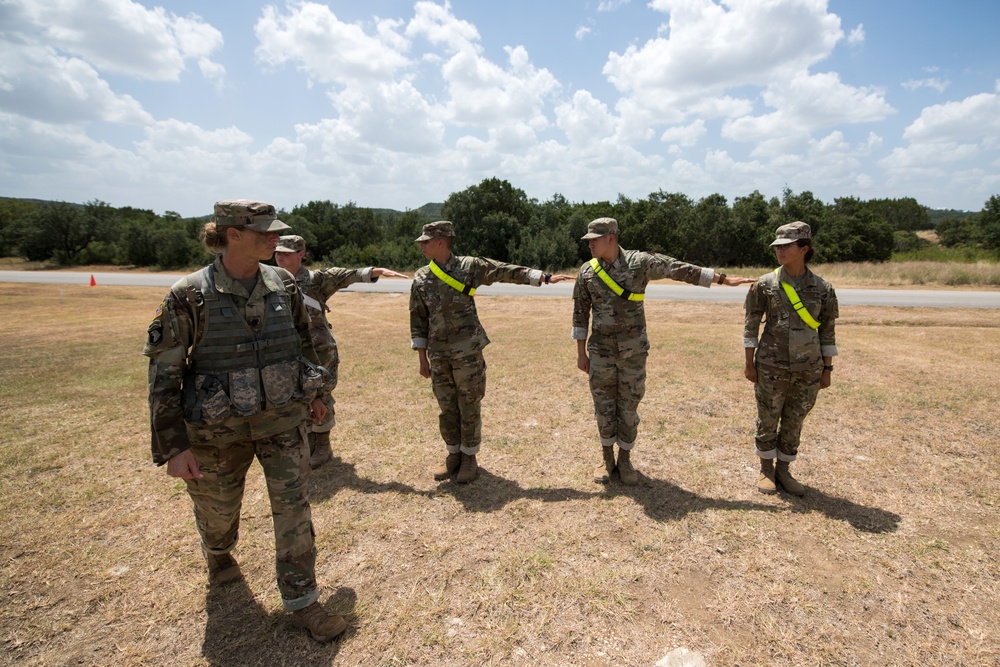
point(291, 243)
point(792, 232)
point(436, 230)
point(255, 215)
point(600, 227)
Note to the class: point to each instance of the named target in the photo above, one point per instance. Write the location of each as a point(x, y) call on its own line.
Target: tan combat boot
point(785, 480)
point(468, 470)
point(450, 465)
point(222, 569)
point(765, 483)
point(321, 624)
point(626, 472)
point(602, 473)
point(320, 450)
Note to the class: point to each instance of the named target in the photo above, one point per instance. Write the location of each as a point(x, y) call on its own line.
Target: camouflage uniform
point(618, 345)
point(445, 323)
point(789, 356)
point(230, 378)
point(317, 287)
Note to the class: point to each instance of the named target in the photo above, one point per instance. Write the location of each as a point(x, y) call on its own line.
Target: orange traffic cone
point(93, 282)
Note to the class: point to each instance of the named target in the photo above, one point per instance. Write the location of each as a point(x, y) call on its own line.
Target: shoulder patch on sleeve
point(154, 336)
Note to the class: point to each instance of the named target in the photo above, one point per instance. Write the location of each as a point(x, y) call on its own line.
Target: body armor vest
point(234, 371)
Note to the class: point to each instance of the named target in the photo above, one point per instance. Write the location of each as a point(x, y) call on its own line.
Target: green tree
point(989, 223)
point(753, 231)
point(488, 218)
point(852, 232)
point(902, 214)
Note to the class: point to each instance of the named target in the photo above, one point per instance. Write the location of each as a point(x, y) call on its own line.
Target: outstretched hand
point(559, 277)
point(387, 273)
point(735, 281)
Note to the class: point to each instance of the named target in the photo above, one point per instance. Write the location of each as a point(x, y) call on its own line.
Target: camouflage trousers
point(459, 386)
point(218, 497)
point(330, 420)
point(617, 386)
point(783, 401)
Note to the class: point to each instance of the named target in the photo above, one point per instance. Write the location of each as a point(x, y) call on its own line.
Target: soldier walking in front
point(449, 339)
point(793, 359)
point(232, 377)
point(612, 287)
point(317, 287)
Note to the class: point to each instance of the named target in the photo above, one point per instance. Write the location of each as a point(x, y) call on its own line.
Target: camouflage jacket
point(317, 287)
point(619, 327)
point(787, 342)
point(178, 326)
point(444, 320)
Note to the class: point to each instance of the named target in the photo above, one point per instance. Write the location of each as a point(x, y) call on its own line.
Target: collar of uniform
point(303, 274)
point(450, 264)
point(618, 260)
point(228, 285)
point(803, 279)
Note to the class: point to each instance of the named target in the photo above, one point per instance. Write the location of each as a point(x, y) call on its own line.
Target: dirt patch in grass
point(890, 558)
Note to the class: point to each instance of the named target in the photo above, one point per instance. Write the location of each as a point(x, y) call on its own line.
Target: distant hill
point(938, 215)
point(430, 211)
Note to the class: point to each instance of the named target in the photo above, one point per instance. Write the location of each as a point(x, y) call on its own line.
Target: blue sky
point(395, 104)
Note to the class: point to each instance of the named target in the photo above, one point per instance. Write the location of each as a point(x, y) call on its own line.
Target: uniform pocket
point(244, 391)
point(280, 382)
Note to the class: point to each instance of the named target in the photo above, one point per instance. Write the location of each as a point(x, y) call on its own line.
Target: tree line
point(496, 219)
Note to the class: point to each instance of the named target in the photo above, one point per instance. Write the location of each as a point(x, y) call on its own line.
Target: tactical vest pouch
point(206, 401)
point(280, 382)
point(244, 392)
point(311, 380)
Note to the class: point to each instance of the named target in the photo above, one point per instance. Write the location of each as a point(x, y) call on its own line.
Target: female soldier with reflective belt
point(793, 359)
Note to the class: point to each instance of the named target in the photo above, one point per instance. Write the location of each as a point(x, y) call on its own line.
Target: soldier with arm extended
point(317, 287)
point(233, 375)
point(793, 358)
point(449, 339)
point(610, 289)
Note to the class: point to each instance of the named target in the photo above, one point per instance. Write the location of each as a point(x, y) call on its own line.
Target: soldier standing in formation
point(793, 359)
point(317, 287)
point(612, 287)
point(446, 333)
point(232, 376)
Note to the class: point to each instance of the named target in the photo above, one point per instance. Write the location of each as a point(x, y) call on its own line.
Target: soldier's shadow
point(861, 517)
point(664, 501)
point(337, 474)
point(239, 631)
point(491, 493)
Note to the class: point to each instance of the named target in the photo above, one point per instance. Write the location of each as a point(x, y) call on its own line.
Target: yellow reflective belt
point(613, 286)
point(797, 303)
point(451, 282)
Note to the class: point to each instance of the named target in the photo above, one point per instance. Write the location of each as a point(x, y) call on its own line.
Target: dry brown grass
point(889, 560)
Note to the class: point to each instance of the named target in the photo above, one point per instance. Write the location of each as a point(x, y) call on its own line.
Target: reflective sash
point(451, 282)
point(612, 285)
point(797, 303)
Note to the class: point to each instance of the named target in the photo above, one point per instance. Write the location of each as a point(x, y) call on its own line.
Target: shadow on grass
point(337, 474)
point(490, 493)
point(663, 501)
point(240, 632)
point(862, 517)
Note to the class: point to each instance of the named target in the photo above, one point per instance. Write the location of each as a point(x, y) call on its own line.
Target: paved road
point(677, 292)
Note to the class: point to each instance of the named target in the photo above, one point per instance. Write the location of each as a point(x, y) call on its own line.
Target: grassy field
point(890, 559)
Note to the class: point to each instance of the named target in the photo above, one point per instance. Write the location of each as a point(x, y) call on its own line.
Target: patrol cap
point(255, 215)
point(792, 232)
point(437, 230)
point(291, 243)
point(600, 227)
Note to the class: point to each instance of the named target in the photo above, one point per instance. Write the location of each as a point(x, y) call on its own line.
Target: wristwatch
point(827, 368)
